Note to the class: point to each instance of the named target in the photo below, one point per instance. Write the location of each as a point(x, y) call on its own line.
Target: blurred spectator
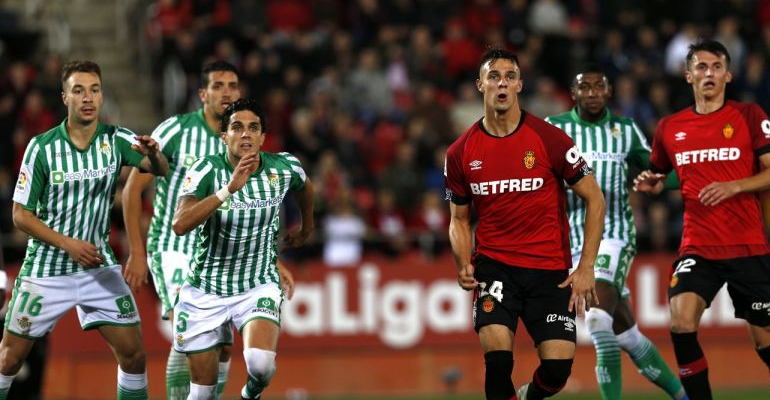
point(368, 91)
point(431, 223)
point(389, 224)
point(546, 100)
point(466, 110)
point(344, 232)
point(728, 34)
point(677, 48)
point(403, 178)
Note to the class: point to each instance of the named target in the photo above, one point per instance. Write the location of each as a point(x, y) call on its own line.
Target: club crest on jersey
point(674, 281)
point(24, 323)
point(180, 340)
point(728, 131)
point(273, 179)
point(615, 132)
point(188, 160)
point(529, 159)
point(488, 305)
point(105, 148)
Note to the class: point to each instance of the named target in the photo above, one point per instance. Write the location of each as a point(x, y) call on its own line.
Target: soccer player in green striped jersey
point(610, 143)
point(183, 139)
point(233, 200)
point(63, 196)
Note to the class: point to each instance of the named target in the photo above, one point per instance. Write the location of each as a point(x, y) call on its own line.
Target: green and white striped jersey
point(183, 139)
point(236, 247)
point(608, 146)
point(72, 192)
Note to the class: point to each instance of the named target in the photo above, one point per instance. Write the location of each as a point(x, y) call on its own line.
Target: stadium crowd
point(369, 93)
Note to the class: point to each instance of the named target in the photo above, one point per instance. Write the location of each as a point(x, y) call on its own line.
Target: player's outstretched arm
point(298, 236)
point(82, 252)
point(649, 182)
point(461, 241)
point(136, 265)
point(582, 279)
point(154, 161)
point(716, 192)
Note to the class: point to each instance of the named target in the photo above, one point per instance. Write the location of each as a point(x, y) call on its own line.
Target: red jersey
point(516, 185)
point(721, 146)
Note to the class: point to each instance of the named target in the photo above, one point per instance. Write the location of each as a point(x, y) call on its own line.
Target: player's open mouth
point(709, 85)
point(502, 97)
point(246, 146)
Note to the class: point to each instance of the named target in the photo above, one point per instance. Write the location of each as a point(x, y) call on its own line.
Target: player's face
point(83, 97)
point(591, 92)
point(221, 91)
point(500, 82)
point(708, 74)
point(244, 134)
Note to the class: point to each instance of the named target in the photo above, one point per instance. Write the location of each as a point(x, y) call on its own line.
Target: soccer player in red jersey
point(715, 147)
point(512, 166)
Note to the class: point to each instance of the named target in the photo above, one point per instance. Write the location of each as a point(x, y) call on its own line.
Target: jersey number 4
point(495, 290)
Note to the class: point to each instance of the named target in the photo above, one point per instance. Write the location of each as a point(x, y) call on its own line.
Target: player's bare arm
point(154, 161)
point(191, 212)
point(136, 265)
point(296, 237)
point(649, 182)
point(461, 240)
point(82, 252)
point(287, 280)
point(716, 192)
point(582, 279)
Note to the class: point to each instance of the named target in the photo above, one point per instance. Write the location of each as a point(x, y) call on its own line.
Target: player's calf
point(498, 384)
point(549, 379)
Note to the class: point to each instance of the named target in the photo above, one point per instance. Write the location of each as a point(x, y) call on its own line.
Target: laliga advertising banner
point(407, 303)
point(402, 305)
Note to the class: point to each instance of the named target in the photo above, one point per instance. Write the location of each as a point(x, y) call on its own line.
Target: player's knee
point(631, 338)
point(598, 320)
point(552, 375)
point(132, 360)
point(225, 352)
point(683, 325)
point(260, 364)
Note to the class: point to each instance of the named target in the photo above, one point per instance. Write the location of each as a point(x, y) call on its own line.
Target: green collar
point(602, 121)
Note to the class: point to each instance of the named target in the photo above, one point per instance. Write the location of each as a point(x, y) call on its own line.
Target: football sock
point(693, 368)
point(202, 392)
point(177, 376)
point(608, 371)
point(132, 386)
point(5, 385)
point(549, 378)
point(764, 354)
point(648, 361)
point(497, 383)
point(224, 369)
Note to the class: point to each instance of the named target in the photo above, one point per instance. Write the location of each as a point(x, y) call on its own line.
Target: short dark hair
point(496, 54)
point(709, 45)
point(215, 66)
point(79, 66)
point(243, 105)
point(590, 68)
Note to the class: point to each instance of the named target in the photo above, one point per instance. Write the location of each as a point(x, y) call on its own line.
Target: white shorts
point(100, 295)
point(202, 321)
point(169, 270)
point(613, 262)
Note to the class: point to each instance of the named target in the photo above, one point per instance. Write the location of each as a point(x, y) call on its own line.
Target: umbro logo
point(680, 136)
point(475, 164)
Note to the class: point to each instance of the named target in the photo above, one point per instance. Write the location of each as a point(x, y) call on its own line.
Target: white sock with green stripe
point(132, 386)
point(177, 376)
point(224, 369)
point(608, 371)
point(5, 385)
point(648, 361)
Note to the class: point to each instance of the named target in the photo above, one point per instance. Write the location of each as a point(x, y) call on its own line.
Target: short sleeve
point(759, 127)
point(639, 153)
point(32, 177)
point(567, 161)
point(198, 180)
point(454, 178)
point(659, 160)
point(123, 141)
point(167, 136)
point(298, 176)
